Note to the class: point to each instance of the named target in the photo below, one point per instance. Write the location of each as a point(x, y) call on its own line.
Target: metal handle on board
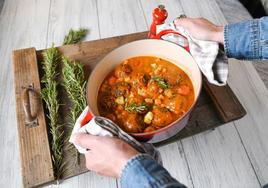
point(30, 106)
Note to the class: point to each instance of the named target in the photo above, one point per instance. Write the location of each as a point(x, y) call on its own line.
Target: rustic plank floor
point(1, 4)
point(233, 155)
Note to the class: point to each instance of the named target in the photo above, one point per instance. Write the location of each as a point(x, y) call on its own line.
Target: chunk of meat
point(121, 71)
point(161, 118)
point(177, 105)
point(139, 120)
point(145, 79)
point(126, 68)
point(112, 80)
point(183, 90)
point(131, 125)
point(121, 89)
point(149, 129)
point(107, 104)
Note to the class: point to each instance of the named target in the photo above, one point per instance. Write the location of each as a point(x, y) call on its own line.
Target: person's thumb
point(84, 140)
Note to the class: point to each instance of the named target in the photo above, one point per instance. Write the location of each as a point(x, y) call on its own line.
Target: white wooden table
point(233, 155)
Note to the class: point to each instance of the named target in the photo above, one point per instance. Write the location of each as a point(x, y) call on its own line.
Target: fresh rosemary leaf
point(75, 85)
point(73, 82)
point(51, 59)
point(162, 83)
point(75, 36)
point(137, 108)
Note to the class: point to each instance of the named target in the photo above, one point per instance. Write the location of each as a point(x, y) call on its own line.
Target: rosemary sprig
point(73, 81)
point(50, 96)
point(75, 36)
point(74, 84)
point(137, 108)
point(162, 83)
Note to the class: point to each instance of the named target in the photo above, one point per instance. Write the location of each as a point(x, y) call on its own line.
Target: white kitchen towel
point(101, 126)
point(211, 60)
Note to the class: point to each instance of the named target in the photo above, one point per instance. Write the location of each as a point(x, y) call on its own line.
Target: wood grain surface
point(234, 158)
point(226, 103)
point(22, 24)
point(1, 4)
point(37, 167)
point(64, 15)
point(234, 155)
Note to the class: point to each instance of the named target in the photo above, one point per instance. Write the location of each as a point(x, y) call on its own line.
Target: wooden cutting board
point(215, 106)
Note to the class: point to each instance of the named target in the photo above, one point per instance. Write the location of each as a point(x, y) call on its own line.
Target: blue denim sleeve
point(142, 171)
point(247, 40)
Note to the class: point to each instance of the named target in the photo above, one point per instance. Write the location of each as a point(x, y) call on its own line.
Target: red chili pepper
point(86, 119)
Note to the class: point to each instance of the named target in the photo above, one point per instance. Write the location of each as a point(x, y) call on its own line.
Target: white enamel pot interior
point(148, 47)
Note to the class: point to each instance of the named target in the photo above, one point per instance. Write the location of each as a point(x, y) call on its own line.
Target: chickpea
point(161, 97)
point(157, 101)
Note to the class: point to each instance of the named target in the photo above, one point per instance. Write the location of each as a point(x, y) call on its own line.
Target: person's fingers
point(182, 21)
point(86, 140)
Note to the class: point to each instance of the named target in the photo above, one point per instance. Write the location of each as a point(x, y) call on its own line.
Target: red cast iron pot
point(148, 47)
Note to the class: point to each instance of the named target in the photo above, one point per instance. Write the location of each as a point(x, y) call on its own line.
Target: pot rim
point(169, 125)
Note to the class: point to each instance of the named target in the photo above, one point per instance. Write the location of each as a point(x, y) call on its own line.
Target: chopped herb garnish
point(162, 83)
point(137, 108)
point(165, 109)
point(173, 95)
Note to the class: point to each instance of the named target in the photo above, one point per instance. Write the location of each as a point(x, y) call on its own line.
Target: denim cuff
point(263, 26)
point(142, 171)
point(242, 40)
point(226, 41)
point(131, 162)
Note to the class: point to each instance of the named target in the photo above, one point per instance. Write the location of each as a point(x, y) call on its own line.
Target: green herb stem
point(161, 82)
point(75, 85)
point(136, 108)
point(50, 96)
point(75, 36)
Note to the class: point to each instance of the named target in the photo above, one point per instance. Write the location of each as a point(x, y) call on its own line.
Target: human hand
point(202, 29)
point(107, 155)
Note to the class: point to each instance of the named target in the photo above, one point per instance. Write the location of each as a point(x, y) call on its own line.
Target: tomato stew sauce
point(144, 93)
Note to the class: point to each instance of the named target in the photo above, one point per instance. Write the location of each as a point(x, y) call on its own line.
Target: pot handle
point(170, 31)
point(30, 108)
